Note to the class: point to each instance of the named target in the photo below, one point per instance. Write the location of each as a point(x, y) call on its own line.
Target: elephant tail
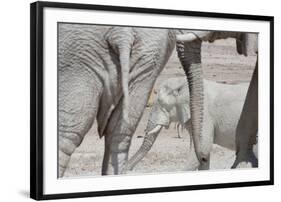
point(125, 68)
point(121, 40)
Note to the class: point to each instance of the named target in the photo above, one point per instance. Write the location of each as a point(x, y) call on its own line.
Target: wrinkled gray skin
point(223, 106)
point(246, 131)
point(107, 73)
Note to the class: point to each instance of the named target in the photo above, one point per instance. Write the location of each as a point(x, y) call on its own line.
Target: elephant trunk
point(148, 141)
point(152, 130)
point(189, 54)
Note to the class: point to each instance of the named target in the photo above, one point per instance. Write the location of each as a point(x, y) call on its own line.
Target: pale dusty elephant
point(247, 129)
point(107, 73)
point(223, 106)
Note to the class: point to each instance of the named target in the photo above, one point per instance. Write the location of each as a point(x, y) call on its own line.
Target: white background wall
point(14, 102)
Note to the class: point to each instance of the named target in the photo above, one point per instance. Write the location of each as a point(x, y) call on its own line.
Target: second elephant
point(222, 110)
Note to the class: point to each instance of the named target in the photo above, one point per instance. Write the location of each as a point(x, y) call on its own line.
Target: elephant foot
point(244, 164)
point(246, 161)
point(63, 162)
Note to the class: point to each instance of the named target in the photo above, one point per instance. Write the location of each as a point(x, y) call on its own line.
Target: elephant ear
point(183, 113)
point(183, 107)
point(247, 44)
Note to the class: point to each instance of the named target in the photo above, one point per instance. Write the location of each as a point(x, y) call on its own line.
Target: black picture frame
point(37, 98)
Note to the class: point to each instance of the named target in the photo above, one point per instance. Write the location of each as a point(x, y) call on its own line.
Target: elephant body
point(223, 106)
point(90, 75)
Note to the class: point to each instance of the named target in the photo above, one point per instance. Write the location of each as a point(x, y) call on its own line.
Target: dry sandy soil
point(169, 153)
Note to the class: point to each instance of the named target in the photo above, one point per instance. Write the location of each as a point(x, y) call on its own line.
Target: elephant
point(247, 128)
point(106, 73)
point(223, 106)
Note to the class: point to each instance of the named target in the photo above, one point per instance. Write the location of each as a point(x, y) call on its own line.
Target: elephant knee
point(120, 143)
point(69, 141)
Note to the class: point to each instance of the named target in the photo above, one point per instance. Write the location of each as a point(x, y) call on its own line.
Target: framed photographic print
point(134, 100)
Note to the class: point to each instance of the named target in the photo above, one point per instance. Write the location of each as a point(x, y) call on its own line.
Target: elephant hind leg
point(247, 128)
point(79, 95)
point(119, 132)
point(116, 152)
point(68, 141)
point(178, 125)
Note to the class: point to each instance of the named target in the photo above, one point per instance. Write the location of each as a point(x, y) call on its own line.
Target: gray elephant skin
point(247, 129)
point(106, 74)
point(223, 106)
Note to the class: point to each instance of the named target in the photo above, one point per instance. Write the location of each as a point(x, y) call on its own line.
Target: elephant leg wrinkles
point(118, 133)
point(79, 95)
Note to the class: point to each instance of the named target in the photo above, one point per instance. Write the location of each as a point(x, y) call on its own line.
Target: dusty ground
point(169, 153)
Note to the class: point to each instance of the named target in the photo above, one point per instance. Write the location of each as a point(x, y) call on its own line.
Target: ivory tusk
point(155, 130)
point(188, 37)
